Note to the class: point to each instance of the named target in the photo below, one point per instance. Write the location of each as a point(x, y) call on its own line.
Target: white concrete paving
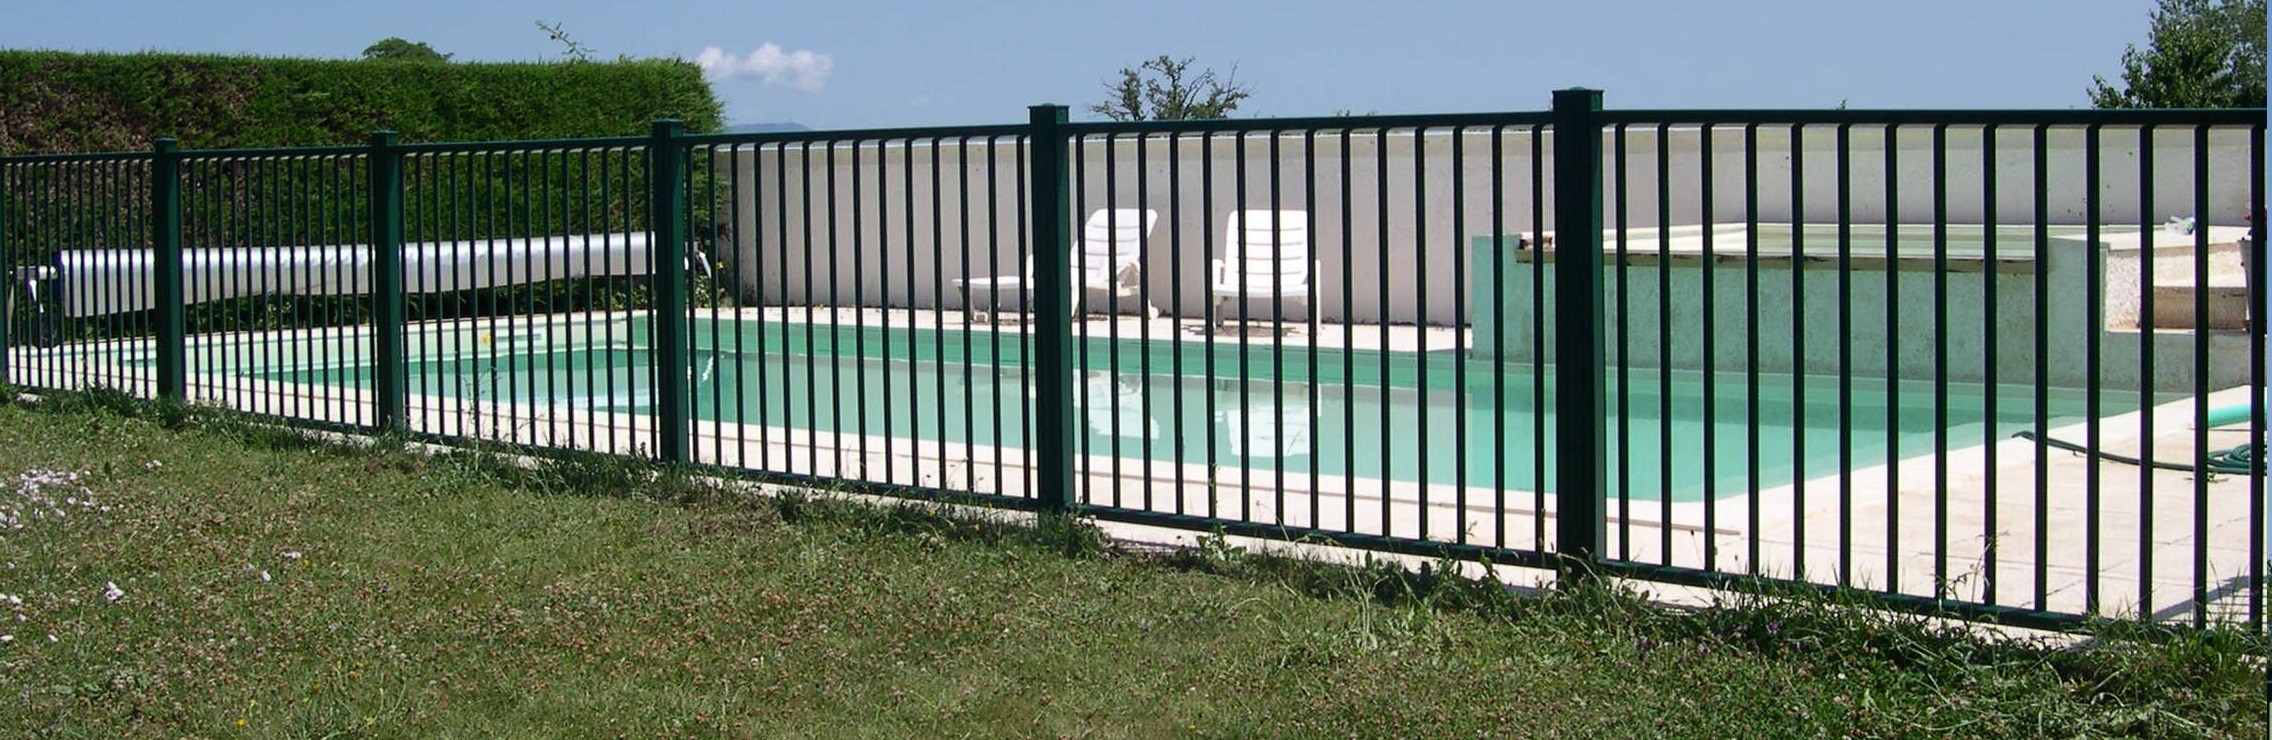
point(2161, 534)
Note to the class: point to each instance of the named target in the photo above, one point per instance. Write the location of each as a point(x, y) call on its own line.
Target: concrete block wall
point(1798, 318)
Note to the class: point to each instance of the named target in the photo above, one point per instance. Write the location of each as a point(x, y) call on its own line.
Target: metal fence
point(1995, 363)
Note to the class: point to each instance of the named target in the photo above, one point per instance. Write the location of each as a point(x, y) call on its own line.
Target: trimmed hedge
point(55, 102)
point(52, 102)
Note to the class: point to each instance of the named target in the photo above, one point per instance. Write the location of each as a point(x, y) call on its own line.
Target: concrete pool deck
point(1844, 519)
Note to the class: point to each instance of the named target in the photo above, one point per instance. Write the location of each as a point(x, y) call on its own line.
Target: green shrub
point(68, 102)
point(63, 103)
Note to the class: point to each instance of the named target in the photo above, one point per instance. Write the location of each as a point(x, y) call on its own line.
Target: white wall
point(1401, 224)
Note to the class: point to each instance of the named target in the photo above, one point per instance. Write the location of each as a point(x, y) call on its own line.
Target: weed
point(1070, 535)
point(1217, 549)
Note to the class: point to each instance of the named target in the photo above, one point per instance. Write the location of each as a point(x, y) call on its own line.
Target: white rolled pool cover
point(95, 282)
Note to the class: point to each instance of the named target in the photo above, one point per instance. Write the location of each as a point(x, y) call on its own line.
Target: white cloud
point(802, 69)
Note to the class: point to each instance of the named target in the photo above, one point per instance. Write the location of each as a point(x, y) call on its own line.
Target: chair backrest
point(1269, 250)
point(1112, 240)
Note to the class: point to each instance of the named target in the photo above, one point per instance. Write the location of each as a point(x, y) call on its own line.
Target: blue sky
point(851, 64)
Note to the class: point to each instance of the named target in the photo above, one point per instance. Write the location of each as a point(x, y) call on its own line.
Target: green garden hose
point(2227, 461)
point(2107, 455)
point(2235, 461)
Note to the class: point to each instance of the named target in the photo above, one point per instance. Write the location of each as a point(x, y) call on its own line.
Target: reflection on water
point(1497, 435)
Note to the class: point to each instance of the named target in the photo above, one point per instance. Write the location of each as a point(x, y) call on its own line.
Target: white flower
point(112, 592)
point(152, 465)
point(291, 554)
point(264, 576)
point(7, 638)
point(51, 638)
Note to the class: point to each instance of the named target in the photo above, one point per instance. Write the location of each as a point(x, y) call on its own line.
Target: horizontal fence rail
point(2004, 364)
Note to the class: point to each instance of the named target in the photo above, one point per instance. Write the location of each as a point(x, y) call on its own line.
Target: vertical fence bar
point(1846, 354)
point(1420, 277)
point(1664, 342)
point(7, 279)
point(1892, 152)
point(1349, 333)
point(2259, 307)
point(1751, 342)
point(1580, 522)
point(1144, 299)
point(1991, 249)
point(1940, 196)
point(1799, 353)
point(1053, 378)
point(1539, 318)
point(1183, 437)
point(1078, 198)
point(859, 275)
point(1382, 252)
point(387, 376)
point(2201, 375)
point(165, 223)
point(1624, 423)
point(1316, 317)
point(666, 216)
point(2094, 303)
point(2146, 379)
point(2040, 154)
point(1708, 352)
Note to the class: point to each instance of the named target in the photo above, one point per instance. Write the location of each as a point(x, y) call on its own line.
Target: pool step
point(2228, 307)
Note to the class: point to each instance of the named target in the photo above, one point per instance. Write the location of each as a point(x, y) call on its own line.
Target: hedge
point(56, 102)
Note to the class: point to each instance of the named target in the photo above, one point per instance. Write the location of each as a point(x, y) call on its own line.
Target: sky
point(849, 64)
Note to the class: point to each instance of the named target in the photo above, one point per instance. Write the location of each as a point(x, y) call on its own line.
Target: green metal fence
point(1964, 360)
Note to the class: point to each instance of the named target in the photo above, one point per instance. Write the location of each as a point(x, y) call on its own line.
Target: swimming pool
point(1432, 418)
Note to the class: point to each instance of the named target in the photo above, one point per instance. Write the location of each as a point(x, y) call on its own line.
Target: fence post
point(1048, 168)
point(389, 381)
point(666, 214)
point(165, 238)
point(1580, 494)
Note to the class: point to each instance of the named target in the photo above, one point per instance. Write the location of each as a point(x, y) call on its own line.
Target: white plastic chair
point(1108, 260)
point(1266, 255)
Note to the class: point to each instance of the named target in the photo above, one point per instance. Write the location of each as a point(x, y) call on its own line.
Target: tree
point(570, 49)
point(1163, 89)
point(2199, 54)
point(394, 49)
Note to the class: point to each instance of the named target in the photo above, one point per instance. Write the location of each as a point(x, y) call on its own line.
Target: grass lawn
point(175, 572)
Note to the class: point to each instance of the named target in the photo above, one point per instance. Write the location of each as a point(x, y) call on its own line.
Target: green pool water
point(1435, 418)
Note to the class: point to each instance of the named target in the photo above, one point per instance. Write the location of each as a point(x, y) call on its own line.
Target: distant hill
point(765, 128)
